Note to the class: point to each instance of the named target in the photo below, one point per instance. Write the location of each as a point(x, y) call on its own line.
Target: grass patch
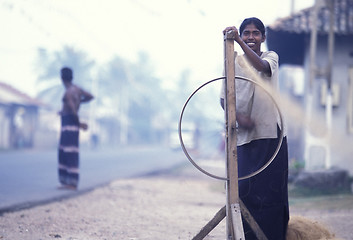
point(332, 202)
point(298, 191)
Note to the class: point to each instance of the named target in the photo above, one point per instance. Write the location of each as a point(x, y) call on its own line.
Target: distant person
point(94, 140)
point(258, 134)
point(70, 126)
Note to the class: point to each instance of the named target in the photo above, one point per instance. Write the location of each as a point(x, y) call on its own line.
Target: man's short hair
point(66, 74)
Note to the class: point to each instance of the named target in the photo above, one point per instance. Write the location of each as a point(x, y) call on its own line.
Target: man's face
point(253, 38)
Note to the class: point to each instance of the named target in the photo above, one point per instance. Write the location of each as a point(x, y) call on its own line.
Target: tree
point(49, 65)
point(134, 96)
point(128, 96)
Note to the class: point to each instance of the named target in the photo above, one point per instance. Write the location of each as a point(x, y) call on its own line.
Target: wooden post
point(211, 224)
point(234, 223)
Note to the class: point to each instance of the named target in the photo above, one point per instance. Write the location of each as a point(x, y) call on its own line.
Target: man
point(70, 126)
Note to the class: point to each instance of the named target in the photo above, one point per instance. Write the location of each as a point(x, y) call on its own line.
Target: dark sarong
point(266, 194)
point(69, 151)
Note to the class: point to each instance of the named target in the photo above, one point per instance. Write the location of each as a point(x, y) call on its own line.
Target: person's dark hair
point(253, 20)
point(66, 74)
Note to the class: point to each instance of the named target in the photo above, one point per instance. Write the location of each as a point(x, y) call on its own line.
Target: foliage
point(128, 95)
point(48, 66)
point(130, 104)
point(295, 164)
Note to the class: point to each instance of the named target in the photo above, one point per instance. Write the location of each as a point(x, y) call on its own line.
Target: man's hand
point(235, 30)
point(83, 126)
point(245, 121)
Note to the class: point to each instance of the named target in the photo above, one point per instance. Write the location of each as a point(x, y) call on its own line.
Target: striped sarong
point(69, 151)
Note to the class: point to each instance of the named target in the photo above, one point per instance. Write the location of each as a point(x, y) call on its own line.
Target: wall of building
point(4, 128)
point(341, 140)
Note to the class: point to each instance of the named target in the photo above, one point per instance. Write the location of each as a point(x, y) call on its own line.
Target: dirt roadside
point(162, 207)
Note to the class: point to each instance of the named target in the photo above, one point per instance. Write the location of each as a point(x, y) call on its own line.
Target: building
point(18, 118)
point(327, 64)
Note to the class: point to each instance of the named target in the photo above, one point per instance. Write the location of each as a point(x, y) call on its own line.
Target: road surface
point(29, 177)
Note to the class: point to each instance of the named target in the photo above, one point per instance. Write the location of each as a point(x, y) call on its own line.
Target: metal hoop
point(213, 175)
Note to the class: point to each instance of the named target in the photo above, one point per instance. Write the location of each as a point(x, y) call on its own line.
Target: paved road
point(29, 177)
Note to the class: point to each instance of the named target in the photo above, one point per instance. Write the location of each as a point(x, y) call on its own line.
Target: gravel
point(163, 207)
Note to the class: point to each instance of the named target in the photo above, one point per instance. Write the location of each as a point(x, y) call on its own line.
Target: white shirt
point(253, 101)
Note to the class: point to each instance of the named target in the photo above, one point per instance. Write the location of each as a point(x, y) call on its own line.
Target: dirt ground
point(163, 207)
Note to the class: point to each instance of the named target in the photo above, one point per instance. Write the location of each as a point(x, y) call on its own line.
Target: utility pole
point(331, 45)
point(292, 6)
point(312, 76)
point(313, 70)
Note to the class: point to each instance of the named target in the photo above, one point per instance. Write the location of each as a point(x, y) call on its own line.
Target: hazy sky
point(177, 34)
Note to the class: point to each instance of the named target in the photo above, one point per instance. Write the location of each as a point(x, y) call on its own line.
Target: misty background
point(140, 59)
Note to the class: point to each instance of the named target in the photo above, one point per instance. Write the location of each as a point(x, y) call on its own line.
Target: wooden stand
point(234, 222)
point(234, 209)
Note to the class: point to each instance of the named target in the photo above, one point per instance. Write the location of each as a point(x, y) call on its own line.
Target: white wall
point(341, 141)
